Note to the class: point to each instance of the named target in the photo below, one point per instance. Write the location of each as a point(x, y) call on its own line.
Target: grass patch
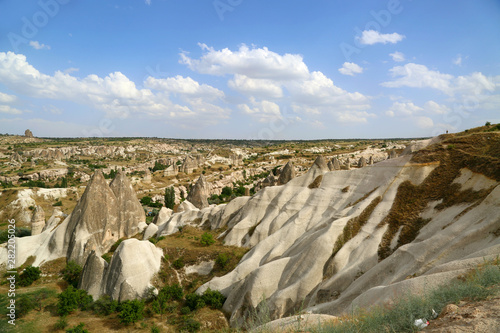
point(316, 182)
point(476, 286)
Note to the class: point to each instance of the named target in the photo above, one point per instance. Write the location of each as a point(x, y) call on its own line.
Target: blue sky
point(248, 69)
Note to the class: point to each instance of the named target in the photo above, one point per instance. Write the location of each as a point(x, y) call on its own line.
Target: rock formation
point(370, 161)
point(37, 221)
point(127, 276)
point(348, 164)
point(28, 134)
point(393, 154)
point(336, 164)
point(188, 165)
point(270, 180)
point(171, 170)
point(198, 195)
point(362, 162)
point(287, 174)
point(130, 213)
point(162, 216)
point(94, 223)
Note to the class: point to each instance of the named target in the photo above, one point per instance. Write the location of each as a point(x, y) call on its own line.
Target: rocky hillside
point(323, 242)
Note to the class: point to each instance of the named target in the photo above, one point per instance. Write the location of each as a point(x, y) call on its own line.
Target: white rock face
point(150, 231)
point(127, 276)
point(286, 226)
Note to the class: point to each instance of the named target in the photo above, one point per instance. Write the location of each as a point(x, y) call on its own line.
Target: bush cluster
point(72, 299)
point(29, 275)
point(71, 273)
point(207, 239)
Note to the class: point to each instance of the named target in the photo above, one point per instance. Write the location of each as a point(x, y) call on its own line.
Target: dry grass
point(477, 152)
point(316, 182)
point(351, 229)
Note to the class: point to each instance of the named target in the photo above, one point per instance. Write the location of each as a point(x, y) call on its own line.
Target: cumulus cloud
point(424, 122)
point(403, 109)
point(419, 76)
point(9, 109)
point(397, 56)
point(115, 94)
point(257, 63)
point(263, 88)
point(435, 108)
point(370, 37)
point(350, 68)
point(38, 46)
point(263, 111)
point(6, 98)
point(261, 74)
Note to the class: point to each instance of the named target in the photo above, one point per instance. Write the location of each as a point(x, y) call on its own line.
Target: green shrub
point(61, 324)
point(178, 263)
point(131, 311)
point(207, 239)
point(71, 273)
point(213, 298)
point(105, 306)
point(191, 325)
point(194, 301)
point(58, 203)
point(185, 310)
point(29, 275)
point(19, 232)
point(155, 329)
point(71, 299)
point(78, 329)
point(173, 292)
point(107, 257)
point(222, 260)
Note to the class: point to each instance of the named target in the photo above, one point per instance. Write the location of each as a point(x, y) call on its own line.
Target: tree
point(71, 299)
point(170, 197)
point(131, 311)
point(29, 275)
point(71, 273)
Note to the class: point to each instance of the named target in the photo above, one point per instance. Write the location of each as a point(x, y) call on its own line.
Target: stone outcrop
point(94, 223)
point(287, 174)
point(128, 275)
point(54, 220)
point(198, 195)
point(188, 165)
point(37, 221)
point(362, 162)
point(393, 154)
point(270, 180)
point(171, 170)
point(370, 161)
point(28, 134)
point(131, 216)
point(336, 164)
point(162, 216)
point(348, 164)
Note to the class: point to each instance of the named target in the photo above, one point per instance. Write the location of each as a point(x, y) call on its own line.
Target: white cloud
point(148, 2)
point(435, 108)
point(418, 76)
point(37, 46)
point(370, 37)
point(6, 98)
point(403, 109)
point(260, 74)
point(9, 110)
point(52, 109)
point(424, 122)
point(71, 70)
point(257, 63)
point(263, 111)
point(115, 94)
point(397, 56)
point(350, 68)
point(256, 87)
point(458, 60)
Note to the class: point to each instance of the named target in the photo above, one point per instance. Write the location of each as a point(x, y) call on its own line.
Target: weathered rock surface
point(127, 276)
point(287, 174)
point(150, 231)
point(28, 134)
point(362, 162)
point(162, 216)
point(37, 221)
point(287, 226)
point(198, 195)
point(130, 212)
